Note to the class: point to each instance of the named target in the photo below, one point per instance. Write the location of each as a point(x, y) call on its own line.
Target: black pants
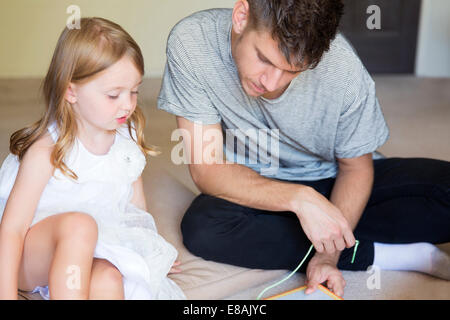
point(410, 202)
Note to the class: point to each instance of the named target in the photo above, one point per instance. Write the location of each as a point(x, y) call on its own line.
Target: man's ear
point(70, 94)
point(240, 16)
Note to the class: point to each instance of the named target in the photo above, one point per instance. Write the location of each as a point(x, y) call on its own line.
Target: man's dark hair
point(303, 28)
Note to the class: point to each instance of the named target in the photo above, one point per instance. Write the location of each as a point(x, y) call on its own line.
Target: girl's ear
point(70, 95)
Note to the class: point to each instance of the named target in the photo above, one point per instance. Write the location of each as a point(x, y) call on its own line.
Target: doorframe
point(433, 39)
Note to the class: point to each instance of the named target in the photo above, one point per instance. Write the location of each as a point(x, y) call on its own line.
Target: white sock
point(421, 256)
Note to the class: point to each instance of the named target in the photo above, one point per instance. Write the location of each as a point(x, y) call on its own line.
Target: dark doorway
point(390, 49)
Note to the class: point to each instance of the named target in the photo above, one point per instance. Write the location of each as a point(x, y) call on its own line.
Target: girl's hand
point(173, 269)
point(322, 268)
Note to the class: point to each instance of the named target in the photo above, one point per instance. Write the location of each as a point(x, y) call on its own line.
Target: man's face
point(262, 67)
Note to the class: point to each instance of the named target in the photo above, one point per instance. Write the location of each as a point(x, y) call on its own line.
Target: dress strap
point(53, 130)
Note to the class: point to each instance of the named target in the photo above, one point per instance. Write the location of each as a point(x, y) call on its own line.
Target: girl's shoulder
point(45, 141)
point(44, 145)
point(35, 165)
point(36, 162)
point(40, 151)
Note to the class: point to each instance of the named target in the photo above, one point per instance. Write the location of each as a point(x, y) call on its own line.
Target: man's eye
point(263, 60)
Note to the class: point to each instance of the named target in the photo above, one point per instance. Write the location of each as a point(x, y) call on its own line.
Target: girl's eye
point(115, 97)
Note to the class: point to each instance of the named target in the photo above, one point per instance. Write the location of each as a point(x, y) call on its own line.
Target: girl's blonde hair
point(79, 55)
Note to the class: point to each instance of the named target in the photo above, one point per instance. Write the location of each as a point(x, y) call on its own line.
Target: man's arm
point(352, 189)
point(231, 181)
point(322, 222)
point(350, 194)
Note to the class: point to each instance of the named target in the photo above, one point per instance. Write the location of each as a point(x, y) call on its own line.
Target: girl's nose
point(128, 103)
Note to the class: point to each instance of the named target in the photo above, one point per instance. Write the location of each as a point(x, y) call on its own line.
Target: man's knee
point(205, 223)
point(414, 169)
point(194, 226)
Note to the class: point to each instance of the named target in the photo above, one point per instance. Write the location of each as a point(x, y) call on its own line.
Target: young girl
point(74, 222)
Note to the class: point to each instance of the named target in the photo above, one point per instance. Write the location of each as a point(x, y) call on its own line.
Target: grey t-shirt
point(326, 113)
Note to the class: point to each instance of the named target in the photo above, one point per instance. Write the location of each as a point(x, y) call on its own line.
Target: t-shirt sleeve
point(182, 92)
point(361, 128)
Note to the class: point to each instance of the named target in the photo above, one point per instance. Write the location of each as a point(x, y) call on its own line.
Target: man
point(279, 67)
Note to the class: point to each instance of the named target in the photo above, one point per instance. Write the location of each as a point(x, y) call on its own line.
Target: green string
point(298, 267)
point(354, 250)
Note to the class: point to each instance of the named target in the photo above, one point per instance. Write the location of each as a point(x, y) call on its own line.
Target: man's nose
point(271, 78)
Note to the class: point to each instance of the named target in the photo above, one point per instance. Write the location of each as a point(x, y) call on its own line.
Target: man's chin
point(252, 92)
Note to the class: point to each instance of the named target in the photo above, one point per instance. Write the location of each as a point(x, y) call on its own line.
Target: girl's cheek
point(108, 109)
point(113, 104)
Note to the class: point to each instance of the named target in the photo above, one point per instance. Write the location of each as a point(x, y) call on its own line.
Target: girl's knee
point(106, 278)
point(78, 225)
point(111, 277)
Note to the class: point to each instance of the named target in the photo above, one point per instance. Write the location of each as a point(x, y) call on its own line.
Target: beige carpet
point(418, 115)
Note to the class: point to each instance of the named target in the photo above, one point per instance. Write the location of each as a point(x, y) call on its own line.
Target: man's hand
point(350, 195)
point(323, 223)
point(322, 268)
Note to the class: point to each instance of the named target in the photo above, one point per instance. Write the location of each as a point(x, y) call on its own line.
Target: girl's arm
point(34, 172)
point(138, 198)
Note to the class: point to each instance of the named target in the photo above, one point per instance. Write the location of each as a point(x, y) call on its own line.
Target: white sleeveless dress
point(127, 235)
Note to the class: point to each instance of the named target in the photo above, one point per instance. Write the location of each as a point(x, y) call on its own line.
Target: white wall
point(29, 29)
point(433, 50)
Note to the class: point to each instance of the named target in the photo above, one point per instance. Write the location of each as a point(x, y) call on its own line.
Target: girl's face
point(105, 102)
